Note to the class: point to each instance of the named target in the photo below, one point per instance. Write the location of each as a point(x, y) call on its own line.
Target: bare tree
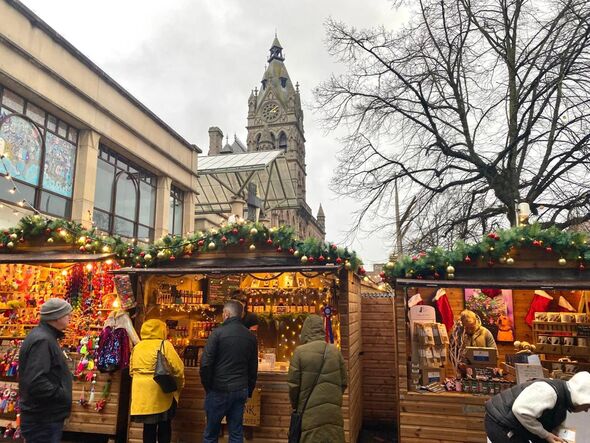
point(471, 107)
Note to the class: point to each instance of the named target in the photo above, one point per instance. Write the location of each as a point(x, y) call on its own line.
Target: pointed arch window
point(258, 136)
point(274, 140)
point(283, 141)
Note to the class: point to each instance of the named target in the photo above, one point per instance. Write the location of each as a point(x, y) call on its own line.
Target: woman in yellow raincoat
point(149, 404)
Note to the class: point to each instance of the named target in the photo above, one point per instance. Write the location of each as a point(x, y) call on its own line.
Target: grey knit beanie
point(54, 309)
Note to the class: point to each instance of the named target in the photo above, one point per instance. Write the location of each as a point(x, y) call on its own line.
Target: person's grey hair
point(234, 308)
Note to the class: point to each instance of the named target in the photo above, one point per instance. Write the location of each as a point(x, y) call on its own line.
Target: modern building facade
point(77, 145)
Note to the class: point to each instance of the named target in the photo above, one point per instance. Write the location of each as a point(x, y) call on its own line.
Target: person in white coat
point(533, 411)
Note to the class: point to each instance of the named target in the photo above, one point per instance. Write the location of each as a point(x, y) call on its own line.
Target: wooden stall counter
point(442, 417)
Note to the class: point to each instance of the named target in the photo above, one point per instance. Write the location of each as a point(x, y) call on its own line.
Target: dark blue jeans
point(42, 432)
point(225, 404)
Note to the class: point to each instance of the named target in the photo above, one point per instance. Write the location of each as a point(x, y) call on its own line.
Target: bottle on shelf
point(305, 305)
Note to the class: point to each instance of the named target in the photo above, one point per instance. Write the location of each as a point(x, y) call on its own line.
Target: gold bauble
point(450, 276)
point(304, 259)
point(502, 260)
point(509, 261)
point(297, 253)
point(253, 231)
point(13, 236)
point(348, 266)
point(211, 246)
point(450, 269)
point(252, 247)
point(49, 240)
point(10, 245)
point(147, 257)
point(562, 261)
point(160, 255)
point(389, 265)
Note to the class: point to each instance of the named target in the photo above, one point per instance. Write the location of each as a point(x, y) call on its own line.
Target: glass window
point(283, 141)
point(126, 196)
point(132, 212)
point(176, 206)
point(37, 154)
point(13, 101)
point(105, 176)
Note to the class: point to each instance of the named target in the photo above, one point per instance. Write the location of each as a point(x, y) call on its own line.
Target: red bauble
point(310, 259)
point(279, 249)
point(21, 240)
point(321, 258)
point(269, 241)
point(172, 258)
point(235, 231)
point(129, 250)
point(536, 243)
point(138, 265)
point(582, 267)
point(291, 251)
point(242, 241)
point(82, 249)
point(142, 254)
point(491, 292)
point(491, 263)
point(224, 239)
point(419, 277)
point(338, 260)
point(382, 274)
point(48, 231)
point(362, 271)
point(492, 235)
point(436, 275)
point(334, 247)
point(549, 249)
point(201, 242)
point(467, 260)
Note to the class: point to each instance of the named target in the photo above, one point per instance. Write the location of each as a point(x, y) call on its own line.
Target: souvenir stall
point(186, 281)
point(529, 287)
point(40, 259)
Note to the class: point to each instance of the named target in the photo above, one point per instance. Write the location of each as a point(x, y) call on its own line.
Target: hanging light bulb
point(7, 176)
point(21, 203)
point(13, 190)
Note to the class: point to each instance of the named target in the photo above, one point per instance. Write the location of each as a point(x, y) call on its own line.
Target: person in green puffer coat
point(322, 419)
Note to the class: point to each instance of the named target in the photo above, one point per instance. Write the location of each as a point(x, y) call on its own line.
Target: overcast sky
point(194, 64)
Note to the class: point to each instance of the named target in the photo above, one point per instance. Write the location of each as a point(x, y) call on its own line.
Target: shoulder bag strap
point(316, 379)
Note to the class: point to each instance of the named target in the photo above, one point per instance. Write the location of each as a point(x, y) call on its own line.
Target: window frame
point(176, 195)
point(43, 130)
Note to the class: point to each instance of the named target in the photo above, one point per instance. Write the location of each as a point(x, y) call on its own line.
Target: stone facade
point(39, 65)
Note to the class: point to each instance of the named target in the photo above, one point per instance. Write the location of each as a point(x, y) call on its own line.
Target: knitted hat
point(54, 309)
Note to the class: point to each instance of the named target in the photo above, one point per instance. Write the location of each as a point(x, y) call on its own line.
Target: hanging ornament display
point(327, 312)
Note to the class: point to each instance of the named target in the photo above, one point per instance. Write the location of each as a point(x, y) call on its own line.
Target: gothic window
point(274, 140)
point(283, 141)
point(258, 136)
point(283, 82)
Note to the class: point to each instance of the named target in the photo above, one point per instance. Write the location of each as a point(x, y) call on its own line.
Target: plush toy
point(524, 347)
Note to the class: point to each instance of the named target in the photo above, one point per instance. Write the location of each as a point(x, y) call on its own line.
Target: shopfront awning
point(184, 270)
point(500, 284)
point(45, 257)
point(223, 178)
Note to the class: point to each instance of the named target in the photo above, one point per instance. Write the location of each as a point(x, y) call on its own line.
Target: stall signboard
point(220, 289)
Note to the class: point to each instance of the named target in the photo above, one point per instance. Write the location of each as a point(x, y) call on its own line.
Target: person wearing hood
point(534, 410)
point(476, 335)
point(322, 418)
point(149, 404)
point(45, 381)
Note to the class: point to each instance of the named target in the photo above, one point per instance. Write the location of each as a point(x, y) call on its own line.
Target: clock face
point(270, 111)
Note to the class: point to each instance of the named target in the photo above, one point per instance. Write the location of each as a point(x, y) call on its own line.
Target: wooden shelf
point(559, 323)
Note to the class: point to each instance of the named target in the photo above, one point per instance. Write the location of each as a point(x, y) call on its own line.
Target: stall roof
point(52, 257)
point(503, 284)
point(221, 178)
point(227, 269)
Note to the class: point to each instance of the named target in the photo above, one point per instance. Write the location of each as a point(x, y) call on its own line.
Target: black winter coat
point(230, 358)
point(45, 381)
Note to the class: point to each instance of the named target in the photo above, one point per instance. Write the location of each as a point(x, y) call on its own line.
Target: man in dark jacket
point(534, 411)
point(229, 367)
point(45, 381)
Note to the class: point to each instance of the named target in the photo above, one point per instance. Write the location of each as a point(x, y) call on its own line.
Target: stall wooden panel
point(87, 419)
point(378, 359)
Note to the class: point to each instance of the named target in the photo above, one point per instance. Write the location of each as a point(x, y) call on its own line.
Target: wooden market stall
point(188, 293)
point(27, 279)
point(537, 276)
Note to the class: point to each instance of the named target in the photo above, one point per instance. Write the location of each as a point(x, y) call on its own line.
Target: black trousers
point(499, 434)
point(160, 432)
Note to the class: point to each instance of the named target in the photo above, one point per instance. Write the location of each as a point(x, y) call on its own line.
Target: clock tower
point(275, 118)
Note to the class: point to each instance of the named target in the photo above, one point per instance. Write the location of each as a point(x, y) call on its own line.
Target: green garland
point(243, 235)
point(495, 248)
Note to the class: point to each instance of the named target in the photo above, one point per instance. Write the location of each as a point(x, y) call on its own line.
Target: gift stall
point(185, 282)
point(527, 286)
point(41, 259)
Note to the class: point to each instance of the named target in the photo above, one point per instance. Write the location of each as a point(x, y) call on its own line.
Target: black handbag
point(297, 416)
point(162, 373)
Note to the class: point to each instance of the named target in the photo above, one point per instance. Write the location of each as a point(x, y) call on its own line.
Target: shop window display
point(191, 306)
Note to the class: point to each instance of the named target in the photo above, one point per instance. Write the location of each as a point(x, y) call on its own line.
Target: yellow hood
point(153, 329)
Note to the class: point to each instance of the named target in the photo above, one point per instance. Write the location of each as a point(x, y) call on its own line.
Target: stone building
point(275, 123)
point(97, 154)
